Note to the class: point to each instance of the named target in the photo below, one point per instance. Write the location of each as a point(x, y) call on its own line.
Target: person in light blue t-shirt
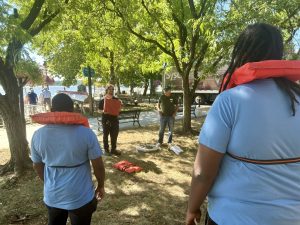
point(248, 129)
point(61, 156)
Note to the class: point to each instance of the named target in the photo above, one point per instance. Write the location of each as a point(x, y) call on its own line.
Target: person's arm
point(158, 105)
point(176, 107)
point(206, 168)
point(99, 172)
point(101, 105)
point(39, 169)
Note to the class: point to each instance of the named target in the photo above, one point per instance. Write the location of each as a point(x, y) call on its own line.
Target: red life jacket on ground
point(289, 69)
point(60, 118)
point(127, 167)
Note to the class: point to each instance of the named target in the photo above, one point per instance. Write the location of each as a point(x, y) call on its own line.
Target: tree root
point(7, 168)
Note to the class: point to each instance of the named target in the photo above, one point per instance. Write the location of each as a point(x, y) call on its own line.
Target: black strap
point(69, 166)
point(265, 162)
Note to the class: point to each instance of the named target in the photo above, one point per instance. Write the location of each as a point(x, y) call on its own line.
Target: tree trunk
point(14, 123)
point(15, 128)
point(187, 102)
point(21, 84)
point(118, 87)
point(152, 87)
point(21, 102)
point(146, 85)
point(91, 100)
point(112, 68)
point(131, 88)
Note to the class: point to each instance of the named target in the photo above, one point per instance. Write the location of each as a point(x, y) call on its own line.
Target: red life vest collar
point(289, 69)
point(60, 118)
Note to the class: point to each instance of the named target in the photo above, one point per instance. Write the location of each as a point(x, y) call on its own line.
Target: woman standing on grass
point(110, 106)
point(247, 162)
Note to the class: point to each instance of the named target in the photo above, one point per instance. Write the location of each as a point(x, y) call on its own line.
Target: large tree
point(197, 35)
point(79, 40)
point(27, 20)
point(193, 36)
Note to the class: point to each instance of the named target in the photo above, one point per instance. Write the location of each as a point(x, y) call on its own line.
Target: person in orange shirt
point(111, 106)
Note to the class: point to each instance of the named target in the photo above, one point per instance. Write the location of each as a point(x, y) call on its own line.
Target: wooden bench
point(125, 117)
point(128, 100)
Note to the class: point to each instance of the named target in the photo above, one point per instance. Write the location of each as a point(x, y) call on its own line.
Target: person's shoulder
point(248, 89)
point(39, 131)
point(84, 129)
point(86, 132)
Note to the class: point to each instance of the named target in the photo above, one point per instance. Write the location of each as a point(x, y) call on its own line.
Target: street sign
point(88, 71)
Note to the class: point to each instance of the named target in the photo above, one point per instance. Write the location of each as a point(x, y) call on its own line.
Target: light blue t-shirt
point(66, 150)
point(254, 121)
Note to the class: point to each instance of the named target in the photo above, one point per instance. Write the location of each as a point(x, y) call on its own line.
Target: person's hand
point(193, 218)
point(99, 193)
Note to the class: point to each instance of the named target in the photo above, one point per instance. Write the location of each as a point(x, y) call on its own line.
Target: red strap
point(265, 162)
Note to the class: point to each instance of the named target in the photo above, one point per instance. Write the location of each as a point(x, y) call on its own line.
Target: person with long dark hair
point(248, 161)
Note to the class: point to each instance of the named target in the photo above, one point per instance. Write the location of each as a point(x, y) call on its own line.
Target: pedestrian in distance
point(248, 157)
point(32, 97)
point(61, 155)
point(110, 107)
point(167, 108)
point(46, 94)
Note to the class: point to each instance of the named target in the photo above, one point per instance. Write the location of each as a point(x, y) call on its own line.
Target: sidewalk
point(146, 118)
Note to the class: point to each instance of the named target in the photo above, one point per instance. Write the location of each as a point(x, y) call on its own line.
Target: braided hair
point(256, 43)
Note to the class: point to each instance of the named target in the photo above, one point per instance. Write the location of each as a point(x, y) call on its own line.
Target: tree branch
point(197, 66)
point(37, 29)
point(202, 9)
point(182, 30)
point(291, 36)
point(192, 8)
point(193, 45)
point(155, 18)
point(290, 16)
point(33, 14)
point(24, 82)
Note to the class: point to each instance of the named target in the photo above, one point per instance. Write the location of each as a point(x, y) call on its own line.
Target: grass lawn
point(157, 195)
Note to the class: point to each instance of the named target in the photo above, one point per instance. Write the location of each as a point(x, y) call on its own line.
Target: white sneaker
point(170, 145)
point(157, 145)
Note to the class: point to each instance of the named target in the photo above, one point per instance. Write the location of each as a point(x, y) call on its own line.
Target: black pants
point(80, 216)
point(110, 126)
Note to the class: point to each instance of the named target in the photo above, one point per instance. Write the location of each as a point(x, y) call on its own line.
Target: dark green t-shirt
point(167, 105)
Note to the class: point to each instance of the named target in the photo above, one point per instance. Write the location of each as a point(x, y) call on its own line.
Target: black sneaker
point(115, 152)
